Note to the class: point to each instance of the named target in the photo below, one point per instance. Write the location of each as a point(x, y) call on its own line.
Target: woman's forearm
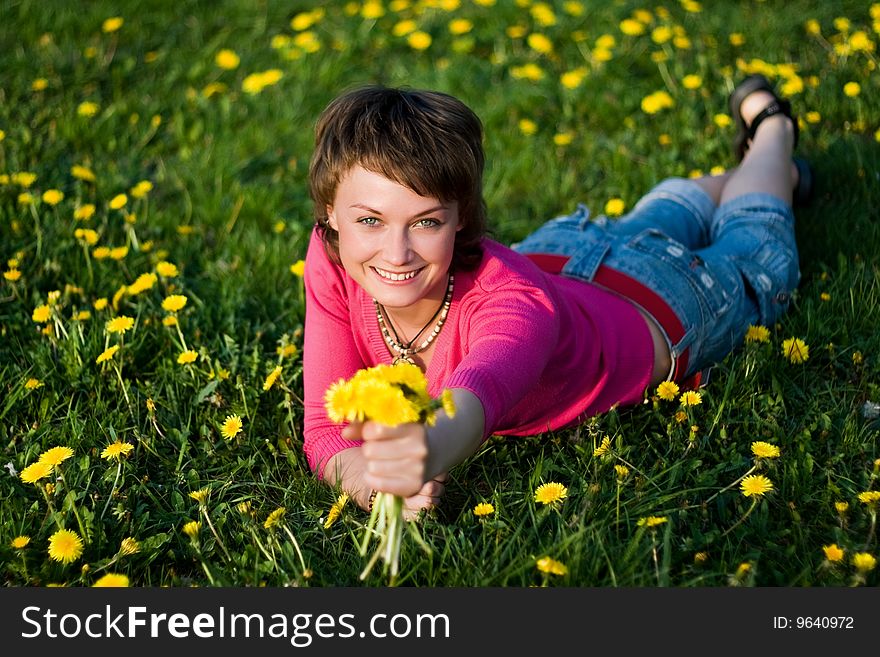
point(452, 440)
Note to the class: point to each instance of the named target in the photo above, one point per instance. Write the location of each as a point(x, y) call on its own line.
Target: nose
point(398, 249)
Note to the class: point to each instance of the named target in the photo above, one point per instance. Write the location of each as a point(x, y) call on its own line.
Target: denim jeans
point(719, 269)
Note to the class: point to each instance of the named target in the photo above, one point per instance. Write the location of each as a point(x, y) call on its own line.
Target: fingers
point(352, 431)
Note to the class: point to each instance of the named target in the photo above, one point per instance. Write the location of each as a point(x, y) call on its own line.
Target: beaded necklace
point(405, 350)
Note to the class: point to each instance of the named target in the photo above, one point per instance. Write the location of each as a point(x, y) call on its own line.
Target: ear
point(331, 218)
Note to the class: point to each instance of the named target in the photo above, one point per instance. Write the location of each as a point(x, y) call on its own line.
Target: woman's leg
point(766, 167)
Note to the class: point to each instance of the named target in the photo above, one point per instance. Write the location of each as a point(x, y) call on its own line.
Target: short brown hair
point(427, 141)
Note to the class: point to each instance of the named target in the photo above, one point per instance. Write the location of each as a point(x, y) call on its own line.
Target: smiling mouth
point(393, 276)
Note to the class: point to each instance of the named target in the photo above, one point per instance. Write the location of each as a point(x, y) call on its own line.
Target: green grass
point(231, 170)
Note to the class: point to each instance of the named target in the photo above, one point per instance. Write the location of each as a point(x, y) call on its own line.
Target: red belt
point(630, 288)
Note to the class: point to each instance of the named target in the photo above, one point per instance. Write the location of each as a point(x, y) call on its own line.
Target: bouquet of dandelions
point(390, 395)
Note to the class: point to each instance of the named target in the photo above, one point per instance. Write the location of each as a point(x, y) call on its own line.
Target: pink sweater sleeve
point(511, 335)
point(329, 353)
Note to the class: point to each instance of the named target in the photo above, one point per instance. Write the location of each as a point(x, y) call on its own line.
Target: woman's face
point(395, 244)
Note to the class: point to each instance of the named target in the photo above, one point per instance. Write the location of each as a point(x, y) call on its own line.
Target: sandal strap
point(776, 107)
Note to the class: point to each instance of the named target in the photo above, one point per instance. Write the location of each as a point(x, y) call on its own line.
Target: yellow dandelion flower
point(20, 542)
point(530, 71)
point(117, 450)
point(757, 334)
point(65, 546)
point(540, 43)
point(659, 100)
point(192, 528)
point(173, 302)
point(298, 268)
point(41, 314)
point(419, 40)
point(82, 173)
point(39, 84)
point(622, 471)
point(107, 354)
point(275, 518)
point(129, 546)
point(765, 450)
point(691, 398)
point(111, 580)
point(56, 455)
point(227, 59)
point(460, 26)
point(852, 89)
point(35, 471)
point(12, 275)
point(448, 403)
point(692, 81)
point(87, 109)
point(722, 120)
point(53, 196)
point(614, 207)
point(167, 269)
point(841, 507)
point(795, 350)
point(84, 212)
point(527, 127)
point(23, 178)
point(100, 304)
point(112, 24)
point(736, 39)
point(870, 497)
point(661, 34)
point(187, 357)
point(271, 378)
point(631, 27)
point(286, 351)
point(232, 426)
point(118, 252)
point(573, 79)
point(755, 485)
point(550, 493)
point(652, 521)
point(833, 553)
point(563, 138)
point(33, 384)
point(141, 189)
point(87, 235)
point(118, 202)
point(551, 566)
point(864, 562)
point(335, 510)
point(667, 390)
point(170, 320)
point(483, 509)
point(201, 496)
point(603, 448)
point(119, 324)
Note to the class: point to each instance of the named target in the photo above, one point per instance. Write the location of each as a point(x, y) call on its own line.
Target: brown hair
point(427, 141)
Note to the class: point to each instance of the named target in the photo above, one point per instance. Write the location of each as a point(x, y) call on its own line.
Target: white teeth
point(395, 277)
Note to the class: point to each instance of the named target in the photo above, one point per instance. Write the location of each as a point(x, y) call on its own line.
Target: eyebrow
point(361, 206)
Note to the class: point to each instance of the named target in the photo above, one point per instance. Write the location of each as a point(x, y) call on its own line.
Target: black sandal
point(803, 191)
point(745, 133)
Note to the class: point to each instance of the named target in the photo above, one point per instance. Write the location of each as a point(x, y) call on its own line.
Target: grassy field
point(151, 150)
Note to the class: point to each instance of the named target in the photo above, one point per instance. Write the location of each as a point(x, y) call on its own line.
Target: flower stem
point(113, 489)
point(741, 520)
point(214, 531)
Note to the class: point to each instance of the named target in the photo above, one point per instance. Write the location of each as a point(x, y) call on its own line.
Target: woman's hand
point(395, 458)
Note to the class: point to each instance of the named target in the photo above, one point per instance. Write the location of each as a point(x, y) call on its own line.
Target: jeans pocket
point(679, 270)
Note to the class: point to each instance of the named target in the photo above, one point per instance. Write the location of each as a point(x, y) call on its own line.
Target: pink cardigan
point(539, 350)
